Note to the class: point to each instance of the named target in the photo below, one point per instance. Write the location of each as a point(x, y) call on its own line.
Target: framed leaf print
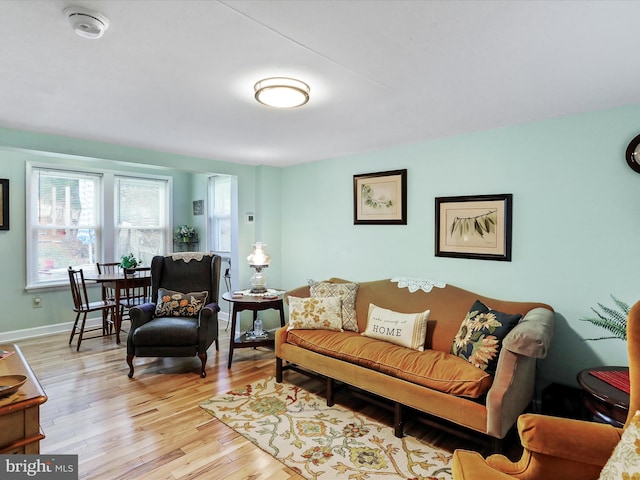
point(474, 227)
point(4, 204)
point(380, 198)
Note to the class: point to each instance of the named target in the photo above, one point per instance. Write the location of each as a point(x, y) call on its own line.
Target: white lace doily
point(188, 256)
point(415, 284)
point(270, 291)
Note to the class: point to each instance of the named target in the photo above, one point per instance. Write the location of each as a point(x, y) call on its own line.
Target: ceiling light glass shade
point(282, 92)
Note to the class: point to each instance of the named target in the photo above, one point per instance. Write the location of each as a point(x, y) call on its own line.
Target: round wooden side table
point(604, 402)
point(255, 304)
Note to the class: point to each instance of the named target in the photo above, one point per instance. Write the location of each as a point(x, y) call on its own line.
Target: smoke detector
point(86, 23)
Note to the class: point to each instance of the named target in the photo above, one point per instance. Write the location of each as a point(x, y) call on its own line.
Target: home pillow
point(404, 329)
point(480, 336)
point(625, 461)
point(315, 313)
point(347, 293)
point(176, 304)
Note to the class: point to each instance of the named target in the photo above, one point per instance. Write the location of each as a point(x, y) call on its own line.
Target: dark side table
point(255, 304)
point(604, 402)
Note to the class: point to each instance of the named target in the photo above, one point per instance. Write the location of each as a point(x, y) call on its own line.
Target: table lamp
point(259, 260)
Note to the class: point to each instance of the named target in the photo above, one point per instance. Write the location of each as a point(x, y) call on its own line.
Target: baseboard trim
point(34, 332)
point(25, 333)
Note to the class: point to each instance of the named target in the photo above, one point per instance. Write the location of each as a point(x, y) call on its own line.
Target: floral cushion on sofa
point(624, 464)
point(479, 339)
point(176, 304)
point(315, 313)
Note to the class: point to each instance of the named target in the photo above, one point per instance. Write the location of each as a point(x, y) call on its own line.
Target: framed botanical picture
point(198, 207)
point(4, 204)
point(380, 198)
point(474, 227)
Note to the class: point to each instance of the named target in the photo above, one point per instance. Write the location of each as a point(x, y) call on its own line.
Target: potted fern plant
point(614, 320)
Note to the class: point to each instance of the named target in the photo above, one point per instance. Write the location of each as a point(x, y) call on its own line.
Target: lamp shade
point(258, 257)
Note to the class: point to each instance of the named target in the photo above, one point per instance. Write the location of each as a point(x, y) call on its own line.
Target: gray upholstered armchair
point(182, 319)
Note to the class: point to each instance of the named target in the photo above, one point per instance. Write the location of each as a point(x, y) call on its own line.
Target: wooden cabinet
point(20, 411)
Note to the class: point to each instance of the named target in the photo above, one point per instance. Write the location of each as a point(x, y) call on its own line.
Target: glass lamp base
point(258, 284)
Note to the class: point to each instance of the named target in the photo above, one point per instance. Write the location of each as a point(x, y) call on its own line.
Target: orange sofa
point(431, 381)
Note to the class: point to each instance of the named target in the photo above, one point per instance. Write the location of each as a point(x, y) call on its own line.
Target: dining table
point(119, 281)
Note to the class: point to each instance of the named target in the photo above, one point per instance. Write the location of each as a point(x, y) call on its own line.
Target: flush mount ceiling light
point(282, 92)
point(86, 23)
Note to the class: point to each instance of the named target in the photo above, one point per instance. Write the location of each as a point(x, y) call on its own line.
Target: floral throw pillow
point(625, 461)
point(347, 293)
point(479, 339)
point(315, 314)
point(176, 304)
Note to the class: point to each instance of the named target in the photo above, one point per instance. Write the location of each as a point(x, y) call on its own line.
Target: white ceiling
point(178, 76)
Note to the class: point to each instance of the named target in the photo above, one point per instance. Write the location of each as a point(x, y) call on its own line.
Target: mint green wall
point(575, 228)
point(189, 173)
point(576, 222)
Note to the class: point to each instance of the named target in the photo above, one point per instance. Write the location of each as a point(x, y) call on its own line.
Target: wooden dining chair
point(108, 289)
point(137, 290)
point(82, 306)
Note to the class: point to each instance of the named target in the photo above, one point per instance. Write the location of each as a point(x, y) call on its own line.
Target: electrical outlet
point(37, 302)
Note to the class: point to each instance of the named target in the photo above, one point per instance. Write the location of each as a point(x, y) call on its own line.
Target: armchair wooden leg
point(130, 363)
point(203, 360)
point(217, 345)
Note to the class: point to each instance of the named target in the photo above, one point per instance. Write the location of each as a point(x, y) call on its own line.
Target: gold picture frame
point(380, 198)
point(4, 204)
point(474, 227)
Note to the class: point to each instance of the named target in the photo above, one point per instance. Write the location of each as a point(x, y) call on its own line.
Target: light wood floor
point(151, 426)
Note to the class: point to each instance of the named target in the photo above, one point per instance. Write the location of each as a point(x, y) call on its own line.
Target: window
point(79, 217)
point(64, 226)
point(220, 189)
point(141, 215)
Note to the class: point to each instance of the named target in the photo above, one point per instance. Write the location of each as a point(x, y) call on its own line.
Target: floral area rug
point(320, 442)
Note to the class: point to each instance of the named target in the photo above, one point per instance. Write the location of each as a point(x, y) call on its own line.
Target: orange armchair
point(559, 448)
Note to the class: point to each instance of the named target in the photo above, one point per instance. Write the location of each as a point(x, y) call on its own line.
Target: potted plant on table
point(129, 262)
point(186, 234)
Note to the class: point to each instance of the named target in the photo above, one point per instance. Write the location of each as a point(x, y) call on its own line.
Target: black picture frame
point(380, 198)
point(475, 226)
point(4, 204)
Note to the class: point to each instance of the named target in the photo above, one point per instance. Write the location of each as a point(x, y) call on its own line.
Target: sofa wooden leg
point(398, 422)
point(278, 370)
point(330, 384)
point(130, 363)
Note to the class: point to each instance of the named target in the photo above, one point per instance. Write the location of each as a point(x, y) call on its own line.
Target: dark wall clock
point(633, 154)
